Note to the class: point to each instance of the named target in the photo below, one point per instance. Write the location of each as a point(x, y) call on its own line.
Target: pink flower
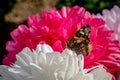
point(112, 19)
point(53, 28)
point(57, 27)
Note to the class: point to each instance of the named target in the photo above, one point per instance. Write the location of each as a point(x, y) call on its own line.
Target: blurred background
point(15, 12)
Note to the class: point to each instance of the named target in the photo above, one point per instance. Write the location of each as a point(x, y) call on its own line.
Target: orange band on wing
point(78, 38)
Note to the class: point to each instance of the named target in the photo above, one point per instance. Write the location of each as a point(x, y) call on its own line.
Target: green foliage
point(64, 3)
point(94, 6)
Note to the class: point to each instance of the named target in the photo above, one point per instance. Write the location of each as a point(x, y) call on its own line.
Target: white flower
point(45, 64)
point(112, 19)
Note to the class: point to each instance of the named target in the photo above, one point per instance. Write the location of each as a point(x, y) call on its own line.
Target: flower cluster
point(55, 28)
point(45, 64)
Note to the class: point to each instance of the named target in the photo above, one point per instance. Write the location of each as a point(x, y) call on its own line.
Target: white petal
point(46, 48)
point(82, 76)
point(5, 75)
point(38, 49)
point(81, 62)
point(38, 73)
point(101, 74)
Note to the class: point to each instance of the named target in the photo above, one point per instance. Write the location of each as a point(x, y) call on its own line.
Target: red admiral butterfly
point(80, 42)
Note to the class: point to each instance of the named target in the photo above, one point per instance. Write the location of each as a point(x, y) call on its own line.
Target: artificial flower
point(45, 64)
point(55, 27)
point(112, 19)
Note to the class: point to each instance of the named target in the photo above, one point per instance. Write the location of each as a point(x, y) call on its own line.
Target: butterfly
point(80, 42)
